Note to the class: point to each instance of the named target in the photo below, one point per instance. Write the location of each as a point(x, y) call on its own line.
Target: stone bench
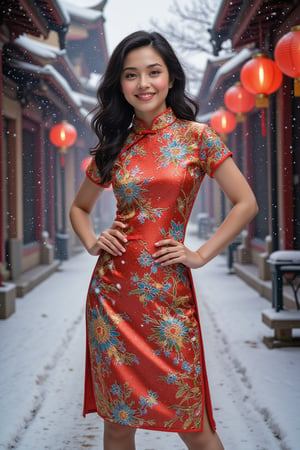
point(282, 322)
point(282, 263)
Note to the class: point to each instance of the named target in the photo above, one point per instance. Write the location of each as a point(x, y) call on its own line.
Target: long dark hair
point(114, 115)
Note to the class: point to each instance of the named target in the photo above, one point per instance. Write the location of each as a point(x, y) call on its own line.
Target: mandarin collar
point(161, 121)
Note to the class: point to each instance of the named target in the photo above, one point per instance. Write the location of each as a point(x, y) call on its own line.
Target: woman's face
point(145, 83)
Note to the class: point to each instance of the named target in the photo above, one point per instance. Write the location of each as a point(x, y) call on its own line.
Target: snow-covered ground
point(255, 390)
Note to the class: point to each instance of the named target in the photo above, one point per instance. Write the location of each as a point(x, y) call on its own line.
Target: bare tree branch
point(188, 32)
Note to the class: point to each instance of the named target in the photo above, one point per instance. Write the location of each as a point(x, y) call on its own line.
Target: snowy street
point(254, 390)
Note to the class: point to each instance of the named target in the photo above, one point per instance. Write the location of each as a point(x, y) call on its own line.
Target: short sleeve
point(92, 172)
point(212, 151)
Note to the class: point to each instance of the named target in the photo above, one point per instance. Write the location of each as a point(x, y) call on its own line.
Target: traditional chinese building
point(266, 146)
point(52, 57)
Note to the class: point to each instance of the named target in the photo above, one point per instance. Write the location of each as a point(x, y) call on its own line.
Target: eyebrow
point(148, 67)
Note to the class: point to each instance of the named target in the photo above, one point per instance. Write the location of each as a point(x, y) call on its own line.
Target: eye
point(130, 75)
point(155, 72)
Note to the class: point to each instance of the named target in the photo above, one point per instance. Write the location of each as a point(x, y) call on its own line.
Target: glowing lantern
point(63, 135)
point(85, 163)
point(223, 122)
point(261, 77)
point(287, 56)
point(239, 100)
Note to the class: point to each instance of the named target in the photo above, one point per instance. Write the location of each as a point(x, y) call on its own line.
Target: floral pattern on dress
point(120, 407)
point(144, 338)
point(148, 289)
point(130, 188)
point(159, 123)
point(105, 338)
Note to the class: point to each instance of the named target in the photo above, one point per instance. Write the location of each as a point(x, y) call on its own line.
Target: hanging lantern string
point(263, 123)
point(263, 114)
point(260, 34)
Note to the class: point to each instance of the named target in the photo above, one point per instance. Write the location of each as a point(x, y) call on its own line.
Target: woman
point(145, 365)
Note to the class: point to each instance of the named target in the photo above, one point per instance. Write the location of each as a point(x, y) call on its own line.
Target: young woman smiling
point(145, 365)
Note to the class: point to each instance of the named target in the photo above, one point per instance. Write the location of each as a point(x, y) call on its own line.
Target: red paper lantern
point(85, 163)
point(63, 135)
point(239, 100)
point(223, 121)
point(287, 56)
point(261, 77)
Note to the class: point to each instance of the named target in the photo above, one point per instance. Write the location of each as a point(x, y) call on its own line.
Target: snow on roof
point(86, 114)
point(86, 98)
point(39, 48)
point(79, 12)
point(93, 81)
point(63, 11)
point(230, 65)
point(220, 57)
point(87, 3)
point(49, 70)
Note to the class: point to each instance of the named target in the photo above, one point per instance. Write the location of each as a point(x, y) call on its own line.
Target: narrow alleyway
point(42, 384)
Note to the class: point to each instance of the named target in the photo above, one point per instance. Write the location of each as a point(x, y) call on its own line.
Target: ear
point(171, 83)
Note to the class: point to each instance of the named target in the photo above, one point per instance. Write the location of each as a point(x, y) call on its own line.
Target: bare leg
point(202, 440)
point(118, 437)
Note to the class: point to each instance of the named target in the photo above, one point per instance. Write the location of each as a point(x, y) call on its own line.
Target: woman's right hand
point(110, 240)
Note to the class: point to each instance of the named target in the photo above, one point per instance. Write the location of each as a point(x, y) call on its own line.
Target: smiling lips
point(145, 97)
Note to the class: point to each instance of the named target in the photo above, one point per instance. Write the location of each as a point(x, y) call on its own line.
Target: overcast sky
point(125, 16)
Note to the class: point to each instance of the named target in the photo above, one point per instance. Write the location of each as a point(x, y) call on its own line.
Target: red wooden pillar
point(248, 163)
point(12, 180)
point(39, 186)
point(287, 164)
point(35, 127)
point(51, 201)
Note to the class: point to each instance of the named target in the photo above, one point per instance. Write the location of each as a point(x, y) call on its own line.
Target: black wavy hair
point(113, 116)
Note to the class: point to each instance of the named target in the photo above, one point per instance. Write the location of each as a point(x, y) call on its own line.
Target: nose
point(143, 81)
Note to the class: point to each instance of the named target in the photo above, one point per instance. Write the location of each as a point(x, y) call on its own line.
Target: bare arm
point(80, 211)
point(237, 190)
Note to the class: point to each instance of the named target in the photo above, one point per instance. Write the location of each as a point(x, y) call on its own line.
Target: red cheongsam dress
point(145, 365)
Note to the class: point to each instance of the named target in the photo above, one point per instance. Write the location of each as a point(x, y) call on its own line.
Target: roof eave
point(237, 27)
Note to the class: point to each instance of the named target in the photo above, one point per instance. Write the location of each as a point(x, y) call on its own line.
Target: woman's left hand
point(174, 252)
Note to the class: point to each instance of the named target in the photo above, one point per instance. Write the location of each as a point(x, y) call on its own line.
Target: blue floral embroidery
point(181, 271)
point(116, 389)
point(198, 369)
point(150, 291)
point(146, 260)
point(171, 333)
point(150, 400)
point(123, 414)
point(175, 153)
point(171, 378)
point(176, 231)
point(104, 334)
point(186, 366)
point(129, 192)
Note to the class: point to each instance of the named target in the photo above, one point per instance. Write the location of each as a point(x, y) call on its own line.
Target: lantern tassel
point(62, 160)
point(263, 123)
point(297, 87)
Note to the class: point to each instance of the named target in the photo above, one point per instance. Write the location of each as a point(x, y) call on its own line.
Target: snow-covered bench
point(283, 322)
point(283, 264)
